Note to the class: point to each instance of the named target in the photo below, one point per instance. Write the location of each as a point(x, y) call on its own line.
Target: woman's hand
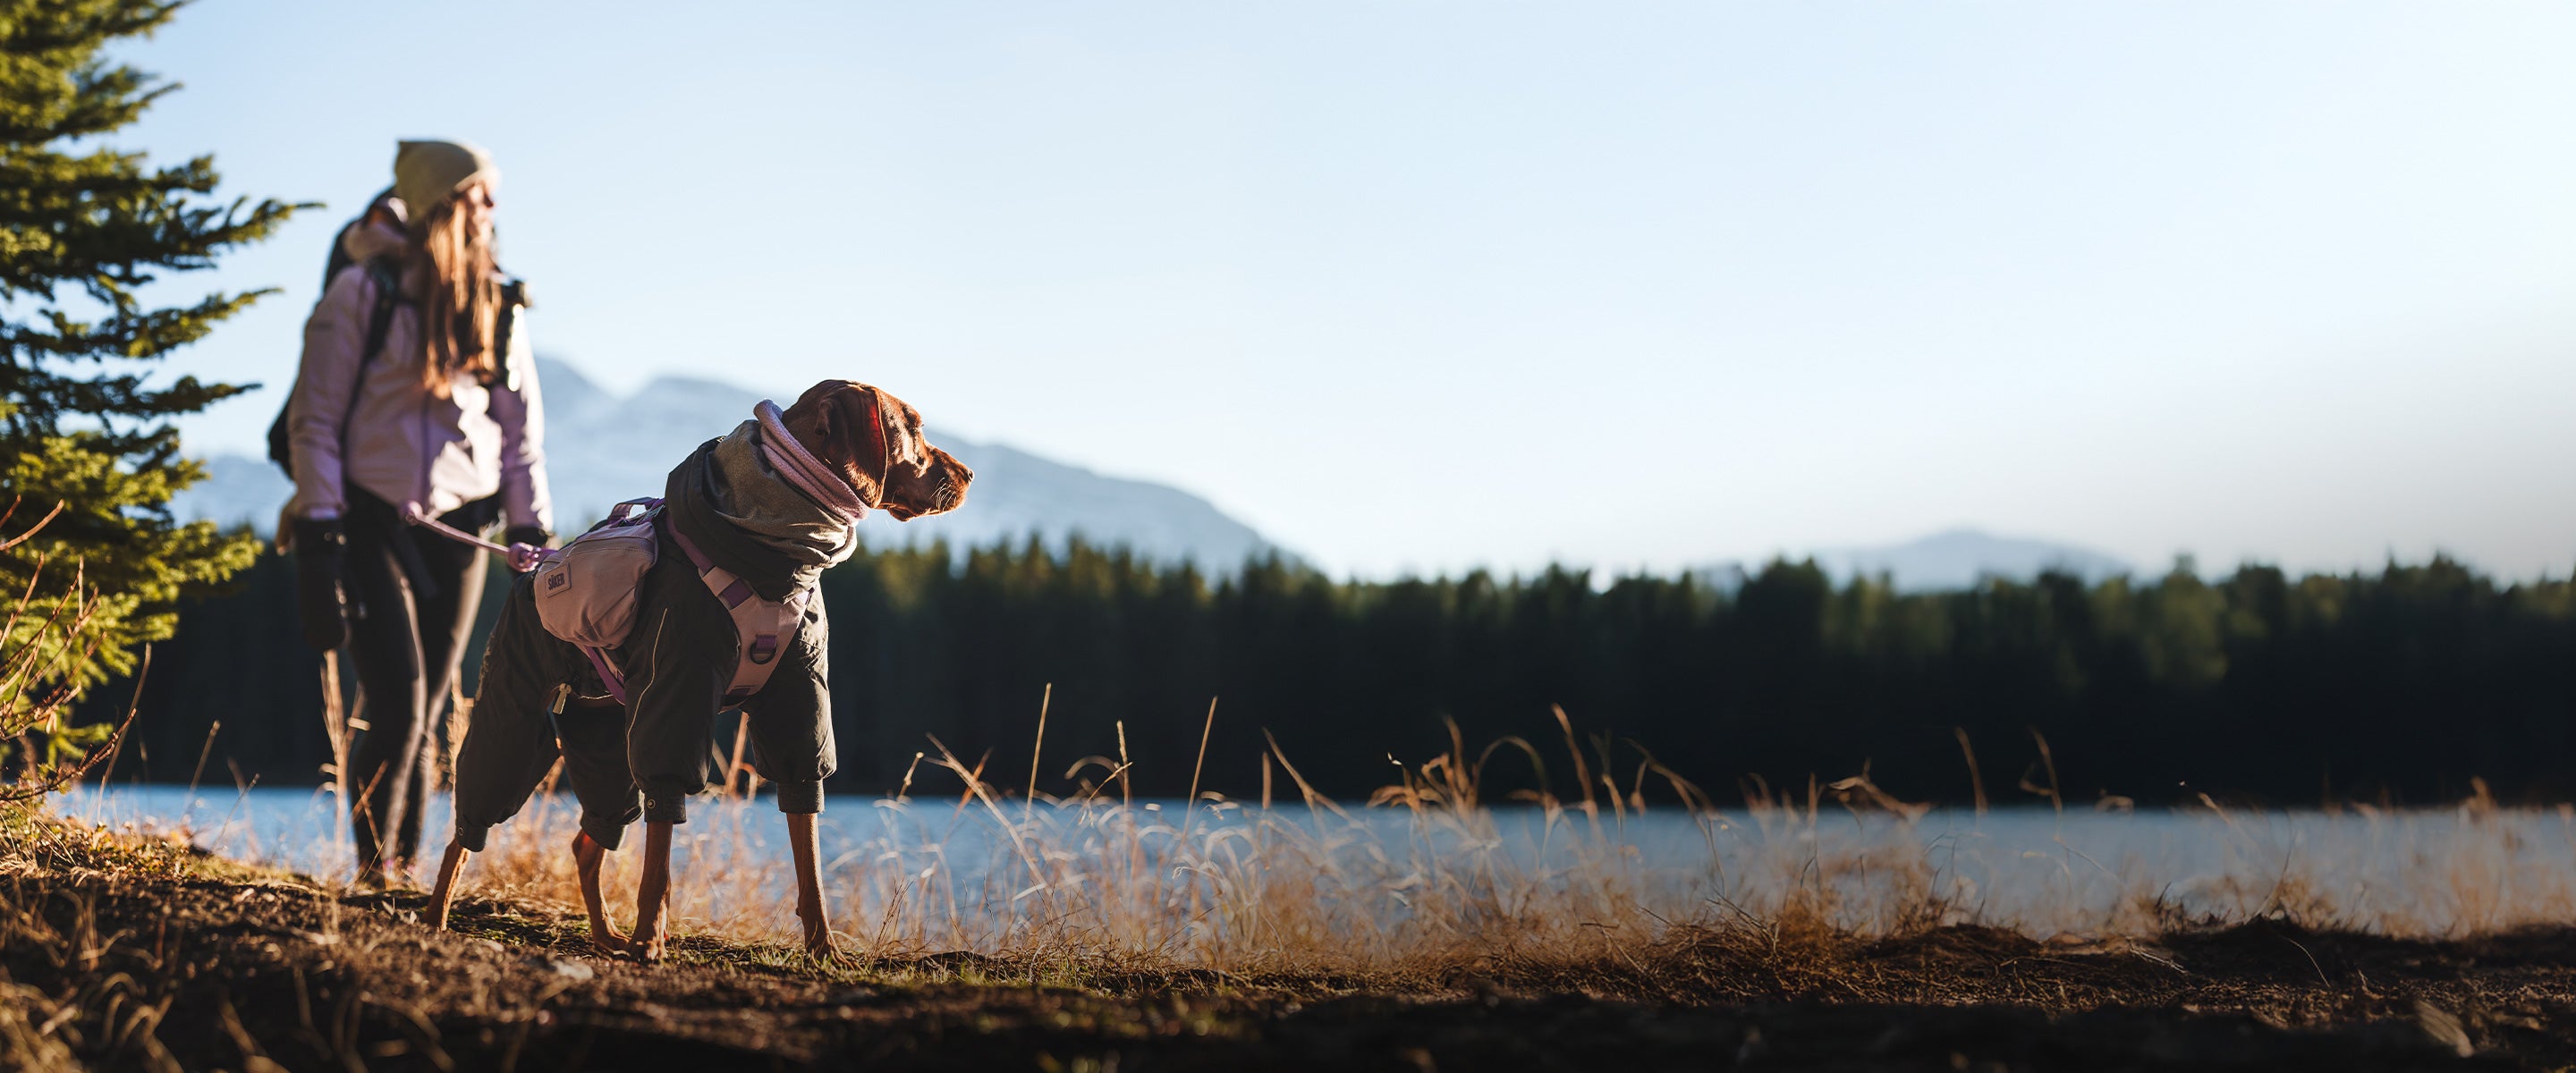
point(320, 548)
point(527, 547)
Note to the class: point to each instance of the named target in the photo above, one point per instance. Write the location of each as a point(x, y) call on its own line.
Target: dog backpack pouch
point(586, 592)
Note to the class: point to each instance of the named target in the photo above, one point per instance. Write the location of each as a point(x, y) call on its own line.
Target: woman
point(441, 420)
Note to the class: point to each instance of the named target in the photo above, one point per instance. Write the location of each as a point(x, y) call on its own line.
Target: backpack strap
point(514, 297)
point(631, 512)
point(386, 274)
point(762, 628)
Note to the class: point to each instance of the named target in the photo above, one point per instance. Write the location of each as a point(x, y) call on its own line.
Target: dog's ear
point(843, 423)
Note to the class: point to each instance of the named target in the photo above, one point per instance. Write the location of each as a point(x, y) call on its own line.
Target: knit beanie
point(426, 172)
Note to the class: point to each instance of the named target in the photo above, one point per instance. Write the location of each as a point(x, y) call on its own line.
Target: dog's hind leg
point(586, 856)
point(449, 867)
point(593, 739)
point(509, 741)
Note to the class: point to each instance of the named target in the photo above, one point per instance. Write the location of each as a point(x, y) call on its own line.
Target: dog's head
point(874, 441)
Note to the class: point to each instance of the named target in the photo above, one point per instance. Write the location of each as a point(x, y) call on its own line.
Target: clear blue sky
point(1437, 284)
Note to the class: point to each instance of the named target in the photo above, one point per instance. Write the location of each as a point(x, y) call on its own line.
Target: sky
point(1420, 285)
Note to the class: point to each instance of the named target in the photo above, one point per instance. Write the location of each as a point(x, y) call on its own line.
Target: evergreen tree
point(2321, 688)
point(85, 230)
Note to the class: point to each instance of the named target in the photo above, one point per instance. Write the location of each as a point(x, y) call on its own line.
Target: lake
point(975, 873)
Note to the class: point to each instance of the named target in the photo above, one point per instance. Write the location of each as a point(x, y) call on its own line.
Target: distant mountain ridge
point(602, 447)
point(1954, 559)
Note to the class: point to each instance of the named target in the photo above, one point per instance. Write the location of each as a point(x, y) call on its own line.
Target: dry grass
point(1838, 929)
point(951, 903)
point(122, 952)
point(42, 639)
point(1428, 881)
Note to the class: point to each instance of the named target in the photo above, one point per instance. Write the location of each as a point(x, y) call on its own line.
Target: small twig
point(2312, 960)
point(31, 530)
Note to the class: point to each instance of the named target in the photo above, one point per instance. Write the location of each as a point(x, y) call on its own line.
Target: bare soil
point(152, 957)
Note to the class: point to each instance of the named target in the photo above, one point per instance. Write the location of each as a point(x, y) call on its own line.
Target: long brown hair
point(464, 298)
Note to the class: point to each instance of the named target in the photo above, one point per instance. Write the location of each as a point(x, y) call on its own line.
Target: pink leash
point(523, 557)
point(798, 466)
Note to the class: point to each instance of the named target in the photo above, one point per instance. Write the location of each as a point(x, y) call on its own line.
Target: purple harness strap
point(761, 627)
point(608, 675)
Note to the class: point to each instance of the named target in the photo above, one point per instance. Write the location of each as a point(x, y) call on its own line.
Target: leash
point(799, 467)
point(522, 557)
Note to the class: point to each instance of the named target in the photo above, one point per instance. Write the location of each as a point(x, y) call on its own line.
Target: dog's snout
point(952, 486)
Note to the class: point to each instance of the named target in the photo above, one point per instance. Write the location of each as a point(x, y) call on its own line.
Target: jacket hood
point(367, 238)
point(364, 242)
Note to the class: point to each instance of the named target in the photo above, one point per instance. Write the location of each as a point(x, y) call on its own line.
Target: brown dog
point(643, 759)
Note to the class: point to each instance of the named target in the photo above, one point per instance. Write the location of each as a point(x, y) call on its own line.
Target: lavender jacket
point(404, 444)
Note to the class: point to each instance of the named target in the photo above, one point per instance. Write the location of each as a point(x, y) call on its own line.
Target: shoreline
point(132, 953)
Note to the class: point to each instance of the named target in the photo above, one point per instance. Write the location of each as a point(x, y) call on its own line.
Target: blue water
point(2427, 870)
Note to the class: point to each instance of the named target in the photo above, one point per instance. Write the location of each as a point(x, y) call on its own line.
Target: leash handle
point(522, 557)
point(526, 557)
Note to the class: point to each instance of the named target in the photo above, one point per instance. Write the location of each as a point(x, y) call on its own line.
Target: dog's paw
point(648, 949)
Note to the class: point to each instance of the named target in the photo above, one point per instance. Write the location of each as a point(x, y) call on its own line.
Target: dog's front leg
point(809, 884)
point(653, 894)
point(586, 854)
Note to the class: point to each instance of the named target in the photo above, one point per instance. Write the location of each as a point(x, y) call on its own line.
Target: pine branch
point(83, 231)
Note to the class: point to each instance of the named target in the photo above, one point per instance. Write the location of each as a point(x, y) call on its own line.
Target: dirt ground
point(163, 960)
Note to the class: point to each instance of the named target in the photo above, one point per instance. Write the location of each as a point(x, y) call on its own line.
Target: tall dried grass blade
point(1582, 775)
point(1976, 781)
point(1045, 699)
point(733, 765)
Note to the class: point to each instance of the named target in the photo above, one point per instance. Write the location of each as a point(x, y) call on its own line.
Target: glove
point(527, 547)
point(320, 545)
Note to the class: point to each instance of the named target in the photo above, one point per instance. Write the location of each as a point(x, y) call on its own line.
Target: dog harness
point(587, 589)
point(586, 595)
point(761, 628)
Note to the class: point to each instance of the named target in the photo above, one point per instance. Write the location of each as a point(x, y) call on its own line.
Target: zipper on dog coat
point(587, 595)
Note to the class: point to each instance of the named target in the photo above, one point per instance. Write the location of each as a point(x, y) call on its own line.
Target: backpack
point(586, 595)
point(386, 274)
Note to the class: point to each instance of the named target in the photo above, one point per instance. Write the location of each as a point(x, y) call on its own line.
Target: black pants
point(415, 595)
